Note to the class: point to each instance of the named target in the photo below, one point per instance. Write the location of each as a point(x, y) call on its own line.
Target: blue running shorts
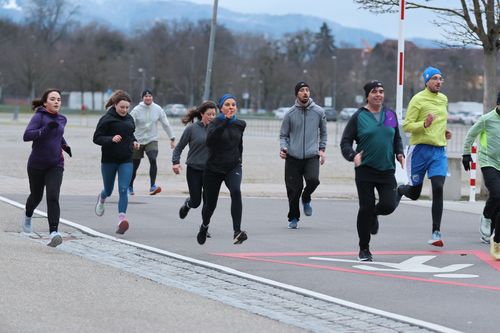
point(422, 158)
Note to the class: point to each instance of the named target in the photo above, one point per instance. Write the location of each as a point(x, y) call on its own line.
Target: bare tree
point(463, 22)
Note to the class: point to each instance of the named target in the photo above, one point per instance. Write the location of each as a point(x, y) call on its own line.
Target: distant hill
point(129, 15)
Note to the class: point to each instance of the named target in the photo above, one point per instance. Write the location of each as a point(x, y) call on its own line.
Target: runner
point(195, 135)
point(147, 115)
point(225, 149)
point(115, 134)
point(46, 161)
point(375, 130)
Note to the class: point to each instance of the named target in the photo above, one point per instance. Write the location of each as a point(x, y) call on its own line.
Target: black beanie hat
point(371, 85)
point(146, 92)
point(299, 85)
point(498, 98)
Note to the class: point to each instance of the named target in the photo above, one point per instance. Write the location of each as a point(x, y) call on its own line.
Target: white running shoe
point(485, 227)
point(26, 223)
point(99, 206)
point(55, 239)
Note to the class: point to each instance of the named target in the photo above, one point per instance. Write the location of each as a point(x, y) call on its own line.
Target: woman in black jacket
point(115, 134)
point(225, 145)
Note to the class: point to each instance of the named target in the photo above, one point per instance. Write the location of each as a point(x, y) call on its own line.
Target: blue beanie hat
point(224, 97)
point(430, 72)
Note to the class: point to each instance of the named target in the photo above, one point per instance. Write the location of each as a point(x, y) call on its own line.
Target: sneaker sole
point(236, 240)
point(485, 240)
point(158, 190)
point(438, 243)
point(365, 259)
point(296, 227)
point(122, 227)
point(55, 241)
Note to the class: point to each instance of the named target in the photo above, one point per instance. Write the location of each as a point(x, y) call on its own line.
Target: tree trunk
point(489, 94)
point(490, 80)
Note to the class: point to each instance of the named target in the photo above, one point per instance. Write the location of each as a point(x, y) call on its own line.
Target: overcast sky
point(344, 12)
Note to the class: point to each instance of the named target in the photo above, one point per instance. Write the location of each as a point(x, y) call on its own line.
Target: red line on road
point(260, 257)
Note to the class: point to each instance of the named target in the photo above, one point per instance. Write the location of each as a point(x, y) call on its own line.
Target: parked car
point(175, 110)
point(346, 113)
point(280, 112)
point(331, 114)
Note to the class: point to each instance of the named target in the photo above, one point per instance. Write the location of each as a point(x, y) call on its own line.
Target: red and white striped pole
point(472, 174)
point(401, 51)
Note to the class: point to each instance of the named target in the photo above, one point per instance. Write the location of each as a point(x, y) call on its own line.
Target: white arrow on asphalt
point(414, 264)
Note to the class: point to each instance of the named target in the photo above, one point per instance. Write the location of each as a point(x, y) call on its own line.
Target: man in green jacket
point(488, 130)
point(426, 121)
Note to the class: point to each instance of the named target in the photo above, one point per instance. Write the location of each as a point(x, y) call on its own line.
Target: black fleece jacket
point(225, 144)
point(110, 125)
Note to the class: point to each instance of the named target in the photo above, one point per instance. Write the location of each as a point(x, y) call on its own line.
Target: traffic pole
point(401, 52)
point(472, 174)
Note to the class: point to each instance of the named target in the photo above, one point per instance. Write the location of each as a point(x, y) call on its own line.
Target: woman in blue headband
point(225, 145)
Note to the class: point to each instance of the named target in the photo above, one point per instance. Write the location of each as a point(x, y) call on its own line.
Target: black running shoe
point(365, 255)
point(239, 237)
point(374, 227)
point(184, 209)
point(399, 194)
point(202, 234)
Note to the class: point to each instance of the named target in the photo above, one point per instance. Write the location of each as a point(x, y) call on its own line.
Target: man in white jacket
point(146, 116)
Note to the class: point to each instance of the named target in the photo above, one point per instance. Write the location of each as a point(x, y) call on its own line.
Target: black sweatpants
point(51, 179)
point(212, 182)
point(492, 208)
point(296, 171)
point(153, 167)
point(194, 179)
point(367, 180)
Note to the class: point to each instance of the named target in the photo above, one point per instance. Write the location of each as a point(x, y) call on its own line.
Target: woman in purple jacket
point(46, 161)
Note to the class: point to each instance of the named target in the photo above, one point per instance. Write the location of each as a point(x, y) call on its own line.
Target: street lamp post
point(143, 72)
point(334, 83)
point(191, 77)
point(245, 94)
point(210, 58)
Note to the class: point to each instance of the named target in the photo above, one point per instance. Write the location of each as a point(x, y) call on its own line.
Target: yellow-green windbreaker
point(420, 106)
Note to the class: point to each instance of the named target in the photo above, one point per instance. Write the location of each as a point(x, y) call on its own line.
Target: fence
point(256, 126)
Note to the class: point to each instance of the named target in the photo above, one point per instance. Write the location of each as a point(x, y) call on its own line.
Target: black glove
point(466, 161)
point(52, 125)
point(67, 149)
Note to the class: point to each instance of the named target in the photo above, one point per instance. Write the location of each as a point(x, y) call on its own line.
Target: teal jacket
point(379, 140)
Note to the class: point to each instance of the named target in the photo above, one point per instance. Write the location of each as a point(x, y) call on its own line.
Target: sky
point(345, 12)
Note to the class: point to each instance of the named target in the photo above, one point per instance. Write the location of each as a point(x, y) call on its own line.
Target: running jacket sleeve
point(183, 141)
point(472, 134)
point(285, 133)
point(398, 143)
point(35, 130)
point(323, 133)
point(101, 136)
point(166, 125)
point(349, 135)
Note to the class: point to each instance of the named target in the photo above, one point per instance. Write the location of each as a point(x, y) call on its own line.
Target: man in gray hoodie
point(303, 138)
point(146, 117)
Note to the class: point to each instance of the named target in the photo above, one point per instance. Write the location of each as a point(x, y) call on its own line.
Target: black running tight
point(51, 179)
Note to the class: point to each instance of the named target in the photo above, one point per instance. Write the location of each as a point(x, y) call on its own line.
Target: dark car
point(331, 114)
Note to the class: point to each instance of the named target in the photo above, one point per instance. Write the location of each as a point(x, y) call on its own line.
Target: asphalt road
point(455, 286)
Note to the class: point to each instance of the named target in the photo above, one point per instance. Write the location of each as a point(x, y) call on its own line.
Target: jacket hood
point(112, 112)
point(310, 103)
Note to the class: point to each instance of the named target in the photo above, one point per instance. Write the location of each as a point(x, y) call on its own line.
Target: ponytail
point(36, 103)
point(198, 112)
